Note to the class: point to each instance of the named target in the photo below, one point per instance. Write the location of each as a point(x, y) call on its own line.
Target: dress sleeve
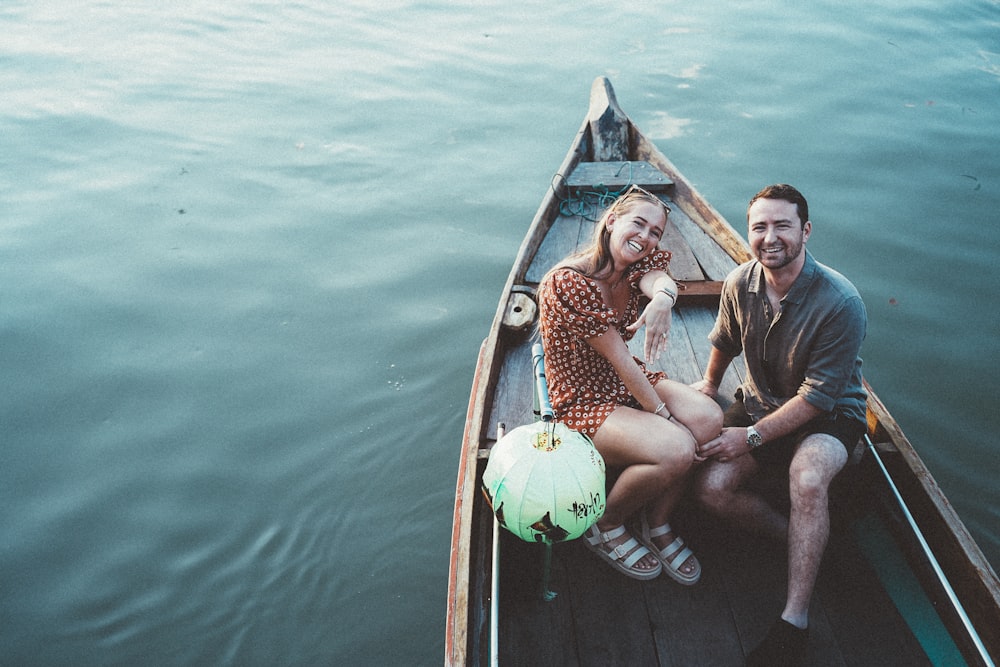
point(574, 302)
point(658, 260)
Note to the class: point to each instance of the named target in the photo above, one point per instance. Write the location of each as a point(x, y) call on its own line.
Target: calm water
point(248, 251)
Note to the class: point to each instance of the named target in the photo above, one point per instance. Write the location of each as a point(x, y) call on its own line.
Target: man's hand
point(732, 444)
point(709, 389)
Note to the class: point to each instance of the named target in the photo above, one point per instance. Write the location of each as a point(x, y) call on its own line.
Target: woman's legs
point(697, 412)
point(655, 455)
point(702, 418)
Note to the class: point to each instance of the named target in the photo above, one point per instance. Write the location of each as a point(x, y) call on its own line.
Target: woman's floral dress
point(583, 385)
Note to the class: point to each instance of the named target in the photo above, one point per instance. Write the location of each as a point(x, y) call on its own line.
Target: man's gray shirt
point(810, 349)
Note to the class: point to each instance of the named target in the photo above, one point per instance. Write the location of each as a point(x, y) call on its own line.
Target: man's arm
point(786, 419)
point(718, 362)
point(733, 441)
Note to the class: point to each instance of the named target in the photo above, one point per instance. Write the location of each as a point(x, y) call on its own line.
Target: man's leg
point(720, 488)
point(816, 462)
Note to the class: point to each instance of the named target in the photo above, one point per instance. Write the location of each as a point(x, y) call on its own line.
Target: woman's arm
point(658, 314)
point(613, 348)
point(657, 280)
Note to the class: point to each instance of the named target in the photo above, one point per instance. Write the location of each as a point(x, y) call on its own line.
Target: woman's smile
point(637, 232)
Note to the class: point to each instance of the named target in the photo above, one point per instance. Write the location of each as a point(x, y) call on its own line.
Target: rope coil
point(589, 204)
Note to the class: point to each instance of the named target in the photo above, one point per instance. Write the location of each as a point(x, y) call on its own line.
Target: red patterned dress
point(583, 385)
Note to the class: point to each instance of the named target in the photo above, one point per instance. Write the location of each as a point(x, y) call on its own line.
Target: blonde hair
point(595, 259)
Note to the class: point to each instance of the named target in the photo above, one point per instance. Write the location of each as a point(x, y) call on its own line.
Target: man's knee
point(806, 486)
point(712, 489)
point(815, 464)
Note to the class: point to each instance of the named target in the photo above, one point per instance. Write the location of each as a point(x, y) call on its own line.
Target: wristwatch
point(753, 438)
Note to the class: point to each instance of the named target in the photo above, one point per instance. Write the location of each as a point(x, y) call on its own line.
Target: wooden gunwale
point(970, 574)
point(487, 370)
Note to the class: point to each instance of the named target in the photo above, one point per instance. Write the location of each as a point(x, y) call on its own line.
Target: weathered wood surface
point(605, 177)
point(567, 234)
point(602, 617)
point(609, 126)
point(521, 312)
point(694, 257)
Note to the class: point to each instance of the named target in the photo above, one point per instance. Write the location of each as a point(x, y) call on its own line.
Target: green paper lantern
point(545, 482)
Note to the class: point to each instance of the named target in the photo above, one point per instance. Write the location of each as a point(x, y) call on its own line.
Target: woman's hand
point(656, 317)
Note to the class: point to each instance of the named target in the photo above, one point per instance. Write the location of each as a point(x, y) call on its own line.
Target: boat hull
point(595, 618)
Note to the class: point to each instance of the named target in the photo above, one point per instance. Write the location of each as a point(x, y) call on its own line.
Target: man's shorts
point(780, 451)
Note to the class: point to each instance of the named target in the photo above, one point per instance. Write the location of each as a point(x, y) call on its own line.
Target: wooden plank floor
point(604, 618)
point(601, 617)
point(684, 362)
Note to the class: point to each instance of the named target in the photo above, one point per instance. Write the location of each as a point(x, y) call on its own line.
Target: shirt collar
point(799, 288)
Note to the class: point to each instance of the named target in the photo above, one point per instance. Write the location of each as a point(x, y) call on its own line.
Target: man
point(799, 325)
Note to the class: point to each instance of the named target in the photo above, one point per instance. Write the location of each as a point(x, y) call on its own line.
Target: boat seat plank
point(563, 239)
point(604, 177)
point(702, 292)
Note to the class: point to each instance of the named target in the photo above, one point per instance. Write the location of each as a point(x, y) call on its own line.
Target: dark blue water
point(248, 252)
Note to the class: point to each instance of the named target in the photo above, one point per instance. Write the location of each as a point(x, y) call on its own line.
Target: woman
point(640, 422)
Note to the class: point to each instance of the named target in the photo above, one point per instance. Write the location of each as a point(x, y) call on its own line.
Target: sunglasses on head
point(641, 192)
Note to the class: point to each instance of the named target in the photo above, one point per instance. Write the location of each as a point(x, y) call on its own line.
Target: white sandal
point(622, 557)
point(672, 556)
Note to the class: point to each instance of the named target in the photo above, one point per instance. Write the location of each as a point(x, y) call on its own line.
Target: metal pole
point(495, 584)
point(545, 413)
point(543, 406)
point(956, 603)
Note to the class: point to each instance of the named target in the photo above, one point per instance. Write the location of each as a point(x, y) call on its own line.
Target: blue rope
point(589, 204)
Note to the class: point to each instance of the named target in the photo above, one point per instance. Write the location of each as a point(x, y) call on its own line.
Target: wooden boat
point(902, 581)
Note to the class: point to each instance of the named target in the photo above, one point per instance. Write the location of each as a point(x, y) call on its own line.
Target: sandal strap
point(680, 559)
point(660, 530)
point(597, 538)
point(628, 552)
point(673, 547)
point(676, 545)
point(621, 552)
